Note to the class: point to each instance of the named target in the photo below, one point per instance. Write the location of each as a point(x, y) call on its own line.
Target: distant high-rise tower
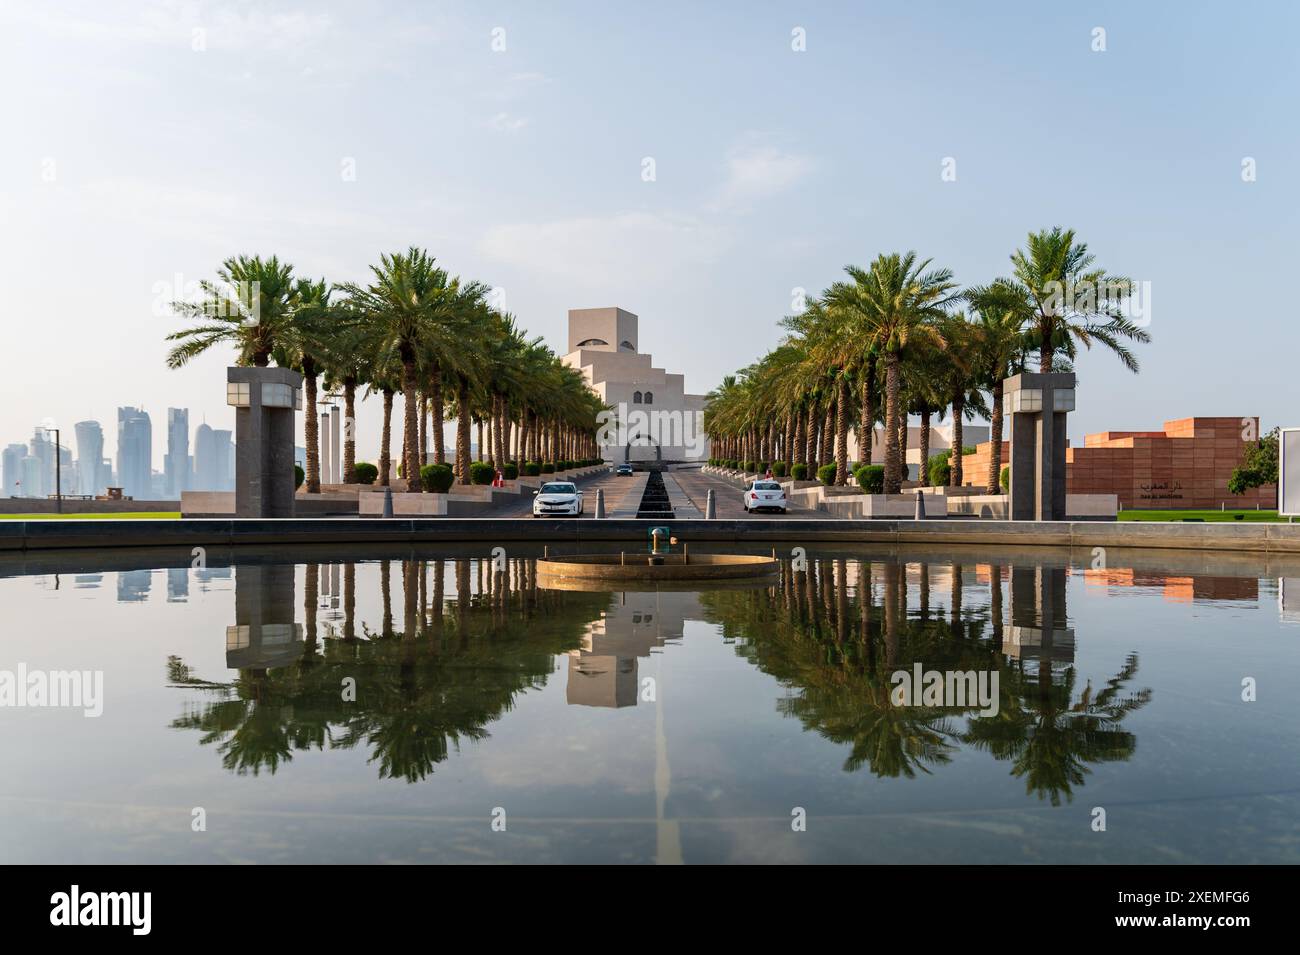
point(11, 470)
point(225, 460)
point(90, 457)
point(176, 463)
point(134, 452)
point(33, 476)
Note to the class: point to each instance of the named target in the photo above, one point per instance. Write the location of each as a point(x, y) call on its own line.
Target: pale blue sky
point(523, 168)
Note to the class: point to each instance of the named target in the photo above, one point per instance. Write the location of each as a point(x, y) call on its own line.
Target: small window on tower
point(626, 345)
point(636, 397)
point(649, 397)
point(592, 342)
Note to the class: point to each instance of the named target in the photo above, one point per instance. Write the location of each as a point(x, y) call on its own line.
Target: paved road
point(688, 491)
point(618, 495)
point(727, 499)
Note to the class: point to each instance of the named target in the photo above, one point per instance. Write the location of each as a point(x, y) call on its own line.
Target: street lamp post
point(58, 469)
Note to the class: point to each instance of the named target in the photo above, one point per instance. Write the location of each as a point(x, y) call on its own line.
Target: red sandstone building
point(1187, 465)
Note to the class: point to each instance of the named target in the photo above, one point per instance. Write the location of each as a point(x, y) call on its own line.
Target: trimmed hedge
point(826, 474)
point(437, 478)
point(548, 467)
point(799, 472)
point(510, 472)
point(871, 478)
point(938, 469)
point(367, 473)
point(481, 472)
point(1005, 479)
point(778, 469)
point(298, 477)
point(532, 469)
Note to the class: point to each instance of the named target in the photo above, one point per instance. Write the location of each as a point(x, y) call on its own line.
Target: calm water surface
point(392, 707)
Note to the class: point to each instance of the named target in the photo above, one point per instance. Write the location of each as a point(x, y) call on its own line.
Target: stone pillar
point(264, 400)
point(1034, 408)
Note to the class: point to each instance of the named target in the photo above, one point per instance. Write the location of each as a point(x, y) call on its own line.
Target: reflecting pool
point(434, 705)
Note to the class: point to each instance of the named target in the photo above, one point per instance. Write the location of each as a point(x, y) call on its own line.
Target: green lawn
point(124, 516)
point(1199, 515)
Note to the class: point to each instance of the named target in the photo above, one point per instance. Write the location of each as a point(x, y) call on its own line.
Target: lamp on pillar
point(264, 400)
point(1035, 406)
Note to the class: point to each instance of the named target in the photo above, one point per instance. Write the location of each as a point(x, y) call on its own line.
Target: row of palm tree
point(413, 329)
point(901, 337)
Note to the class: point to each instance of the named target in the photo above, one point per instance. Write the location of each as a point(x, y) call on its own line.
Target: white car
point(765, 495)
point(557, 499)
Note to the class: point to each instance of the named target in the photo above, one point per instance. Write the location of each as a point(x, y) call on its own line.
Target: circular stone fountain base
point(655, 567)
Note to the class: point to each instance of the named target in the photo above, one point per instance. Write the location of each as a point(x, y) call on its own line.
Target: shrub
point(548, 467)
point(367, 473)
point(938, 470)
point(968, 449)
point(778, 469)
point(799, 472)
point(298, 477)
point(481, 472)
point(436, 478)
point(532, 469)
point(871, 478)
point(511, 471)
point(763, 466)
point(826, 474)
point(1005, 479)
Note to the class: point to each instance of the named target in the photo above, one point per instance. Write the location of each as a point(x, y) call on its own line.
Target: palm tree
point(250, 305)
point(303, 346)
point(419, 311)
point(890, 306)
point(1001, 315)
point(1070, 300)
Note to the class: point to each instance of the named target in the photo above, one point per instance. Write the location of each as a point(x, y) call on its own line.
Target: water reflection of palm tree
point(420, 691)
point(843, 688)
point(1049, 737)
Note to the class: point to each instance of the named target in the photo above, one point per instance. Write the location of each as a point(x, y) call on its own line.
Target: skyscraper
point(33, 477)
point(134, 452)
point(90, 457)
point(225, 460)
point(205, 459)
point(11, 470)
point(176, 463)
point(38, 477)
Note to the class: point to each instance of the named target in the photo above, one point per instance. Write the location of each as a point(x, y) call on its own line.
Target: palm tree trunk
point(958, 412)
point(311, 428)
point(902, 442)
point(410, 433)
point(424, 428)
point(810, 438)
point(994, 485)
point(867, 422)
point(435, 404)
point(462, 431)
point(827, 453)
point(1046, 353)
point(842, 432)
point(479, 451)
point(925, 447)
point(350, 430)
point(893, 459)
point(386, 440)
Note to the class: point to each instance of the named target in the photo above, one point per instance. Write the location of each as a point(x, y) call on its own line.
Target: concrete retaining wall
point(17, 535)
point(38, 505)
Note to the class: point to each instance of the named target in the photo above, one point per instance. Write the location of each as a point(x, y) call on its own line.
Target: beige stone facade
point(652, 416)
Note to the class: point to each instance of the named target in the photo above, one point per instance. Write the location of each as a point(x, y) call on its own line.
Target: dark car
point(623, 470)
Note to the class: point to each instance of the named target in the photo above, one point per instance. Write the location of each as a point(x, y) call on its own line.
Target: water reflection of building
point(264, 634)
point(133, 585)
point(178, 584)
point(604, 672)
point(1038, 629)
point(1184, 589)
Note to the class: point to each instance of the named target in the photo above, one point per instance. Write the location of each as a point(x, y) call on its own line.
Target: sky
point(146, 141)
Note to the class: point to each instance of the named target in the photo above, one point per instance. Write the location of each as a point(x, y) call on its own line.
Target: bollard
point(388, 501)
point(710, 511)
point(600, 503)
point(920, 507)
